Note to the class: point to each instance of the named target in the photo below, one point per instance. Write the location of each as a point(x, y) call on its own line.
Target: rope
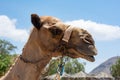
point(57, 77)
point(60, 69)
point(62, 48)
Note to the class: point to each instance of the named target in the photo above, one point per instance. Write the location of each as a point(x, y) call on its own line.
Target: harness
point(61, 47)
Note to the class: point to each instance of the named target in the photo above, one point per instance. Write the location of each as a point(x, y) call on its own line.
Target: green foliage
point(71, 66)
point(115, 69)
point(6, 59)
point(5, 62)
point(74, 66)
point(6, 47)
point(53, 67)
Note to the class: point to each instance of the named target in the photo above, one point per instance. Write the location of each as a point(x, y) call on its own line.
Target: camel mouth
point(90, 56)
point(78, 54)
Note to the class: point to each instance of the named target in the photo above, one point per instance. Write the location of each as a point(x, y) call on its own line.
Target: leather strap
point(67, 34)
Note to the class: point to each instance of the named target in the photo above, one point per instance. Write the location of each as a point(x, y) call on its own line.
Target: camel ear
point(35, 19)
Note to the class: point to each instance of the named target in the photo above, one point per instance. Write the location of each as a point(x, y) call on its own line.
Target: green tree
point(5, 62)
point(6, 47)
point(53, 67)
point(6, 58)
point(71, 66)
point(74, 66)
point(115, 69)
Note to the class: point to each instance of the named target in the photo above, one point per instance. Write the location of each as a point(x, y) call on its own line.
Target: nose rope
point(62, 47)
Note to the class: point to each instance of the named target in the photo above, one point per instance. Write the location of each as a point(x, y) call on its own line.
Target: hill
point(105, 66)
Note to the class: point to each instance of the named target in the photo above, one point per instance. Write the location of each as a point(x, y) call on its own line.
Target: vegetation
point(6, 59)
point(115, 69)
point(71, 66)
point(74, 66)
point(6, 47)
point(53, 67)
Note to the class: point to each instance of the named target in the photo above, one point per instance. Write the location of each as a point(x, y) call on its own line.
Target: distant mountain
point(105, 66)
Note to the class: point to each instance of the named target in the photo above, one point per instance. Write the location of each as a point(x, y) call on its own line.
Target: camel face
point(82, 45)
point(49, 31)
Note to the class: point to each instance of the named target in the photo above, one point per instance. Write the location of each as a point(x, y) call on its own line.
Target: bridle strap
point(64, 40)
point(67, 34)
point(62, 47)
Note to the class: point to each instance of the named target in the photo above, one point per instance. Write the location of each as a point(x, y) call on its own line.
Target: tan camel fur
point(42, 44)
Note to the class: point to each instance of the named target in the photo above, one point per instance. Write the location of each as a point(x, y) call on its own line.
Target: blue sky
point(101, 18)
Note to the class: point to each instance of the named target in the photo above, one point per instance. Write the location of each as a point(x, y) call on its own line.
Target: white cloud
point(99, 31)
point(8, 29)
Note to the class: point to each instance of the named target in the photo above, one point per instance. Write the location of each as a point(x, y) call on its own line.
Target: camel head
point(48, 34)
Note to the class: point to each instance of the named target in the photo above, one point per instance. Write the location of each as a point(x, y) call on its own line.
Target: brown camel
point(50, 38)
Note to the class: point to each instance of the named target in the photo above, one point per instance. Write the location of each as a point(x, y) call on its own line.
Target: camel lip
point(80, 54)
point(89, 57)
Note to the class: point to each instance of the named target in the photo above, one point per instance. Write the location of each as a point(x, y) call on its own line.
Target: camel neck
point(27, 71)
point(32, 52)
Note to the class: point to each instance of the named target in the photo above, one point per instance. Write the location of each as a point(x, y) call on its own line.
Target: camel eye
point(55, 31)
